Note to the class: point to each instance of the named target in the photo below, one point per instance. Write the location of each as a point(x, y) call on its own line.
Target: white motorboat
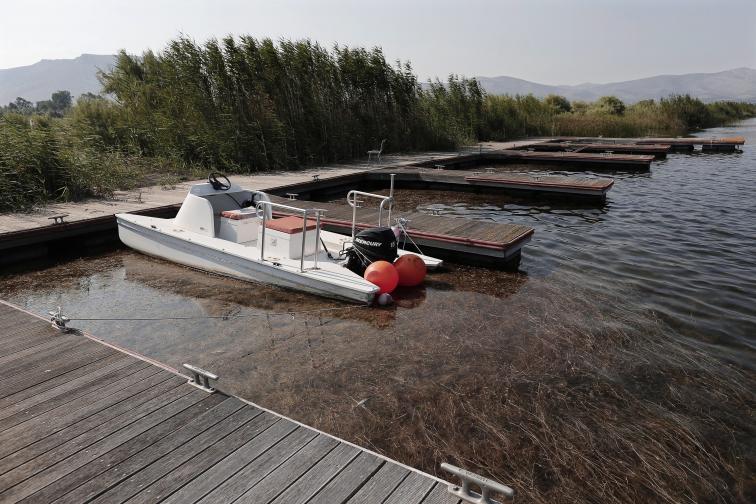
point(223, 228)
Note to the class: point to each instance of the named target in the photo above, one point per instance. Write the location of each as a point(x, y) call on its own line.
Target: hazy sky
point(548, 41)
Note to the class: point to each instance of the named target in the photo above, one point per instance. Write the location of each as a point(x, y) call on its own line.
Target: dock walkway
point(579, 159)
point(83, 421)
point(657, 150)
point(676, 143)
point(557, 186)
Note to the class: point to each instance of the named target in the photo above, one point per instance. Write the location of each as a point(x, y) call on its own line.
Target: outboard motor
point(370, 245)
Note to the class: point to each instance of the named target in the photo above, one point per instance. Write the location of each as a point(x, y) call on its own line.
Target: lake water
point(678, 241)
point(623, 346)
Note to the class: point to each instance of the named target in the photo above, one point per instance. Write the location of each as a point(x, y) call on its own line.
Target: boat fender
point(383, 275)
point(411, 269)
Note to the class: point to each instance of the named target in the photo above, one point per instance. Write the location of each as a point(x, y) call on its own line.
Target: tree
point(580, 107)
point(559, 104)
point(88, 97)
point(22, 106)
point(609, 105)
point(61, 101)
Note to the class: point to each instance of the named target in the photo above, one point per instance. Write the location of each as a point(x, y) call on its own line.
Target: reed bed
point(243, 105)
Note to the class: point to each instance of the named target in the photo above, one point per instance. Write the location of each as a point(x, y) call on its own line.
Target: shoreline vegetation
point(243, 105)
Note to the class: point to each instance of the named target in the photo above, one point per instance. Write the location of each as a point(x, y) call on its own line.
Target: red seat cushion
point(238, 215)
point(289, 225)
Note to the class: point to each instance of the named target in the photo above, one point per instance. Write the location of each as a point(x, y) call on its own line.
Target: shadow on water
point(618, 369)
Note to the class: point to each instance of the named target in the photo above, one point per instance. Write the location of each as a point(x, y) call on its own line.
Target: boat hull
point(197, 255)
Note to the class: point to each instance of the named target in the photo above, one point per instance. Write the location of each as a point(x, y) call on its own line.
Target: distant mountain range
point(738, 84)
point(38, 81)
point(79, 75)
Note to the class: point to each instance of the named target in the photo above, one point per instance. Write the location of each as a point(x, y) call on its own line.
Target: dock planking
point(658, 150)
point(581, 160)
point(676, 143)
point(594, 188)
point(557, 186)
point(109, 426)
point(477, 242)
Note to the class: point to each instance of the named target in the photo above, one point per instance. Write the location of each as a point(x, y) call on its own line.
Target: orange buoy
point(383, 274)
point(411, 270)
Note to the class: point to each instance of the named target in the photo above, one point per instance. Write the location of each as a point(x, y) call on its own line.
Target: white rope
point(221, 317)
point(405, 235)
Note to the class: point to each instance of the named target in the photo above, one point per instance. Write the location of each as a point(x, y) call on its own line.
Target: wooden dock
point(707, 144)
point(555, 184)
point(453, 239)
point(552, 186)
point(83, 421)
point(677, 143)
point(582, 160)
point(659, 151)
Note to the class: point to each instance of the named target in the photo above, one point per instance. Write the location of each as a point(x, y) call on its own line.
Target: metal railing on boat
point(304, 211)
point(352, 200)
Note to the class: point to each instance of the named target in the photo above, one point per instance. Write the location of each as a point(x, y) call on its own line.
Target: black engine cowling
point(370, 245)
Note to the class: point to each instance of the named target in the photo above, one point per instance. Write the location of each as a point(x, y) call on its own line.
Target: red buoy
point(411, 269)
point(383, 274)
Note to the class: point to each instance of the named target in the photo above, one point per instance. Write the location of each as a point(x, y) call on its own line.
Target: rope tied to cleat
point(59, 320)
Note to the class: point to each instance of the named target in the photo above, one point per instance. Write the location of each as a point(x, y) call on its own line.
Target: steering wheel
point(214, 181)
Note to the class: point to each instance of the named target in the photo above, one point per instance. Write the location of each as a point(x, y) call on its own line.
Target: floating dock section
point(586, 187)
point(576, 161)
point(84, 421)
point(583, 160)
point(659, 151)
point(680, 144)
point(453, 239)
point(551, 186)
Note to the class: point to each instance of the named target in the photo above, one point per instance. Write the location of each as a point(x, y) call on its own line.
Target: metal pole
point(391, 201)
point(262, 238)
point(354, 215)
point(317, 237)
point(304, 237)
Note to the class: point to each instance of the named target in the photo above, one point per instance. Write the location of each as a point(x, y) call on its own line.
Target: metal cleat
point(58, 320)
point(201, 378)
point(486, 486)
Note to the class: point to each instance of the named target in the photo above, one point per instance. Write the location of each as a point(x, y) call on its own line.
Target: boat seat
point(289, 225)
point(239, 214)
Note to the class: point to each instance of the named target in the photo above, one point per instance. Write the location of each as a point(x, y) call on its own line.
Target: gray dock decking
point(83, 421)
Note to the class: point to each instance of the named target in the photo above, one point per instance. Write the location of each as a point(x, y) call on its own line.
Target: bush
point(558, 104)
point(608, 105)
point(43, 160)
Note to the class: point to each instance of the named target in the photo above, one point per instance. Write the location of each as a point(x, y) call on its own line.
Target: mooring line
point(219, 317)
